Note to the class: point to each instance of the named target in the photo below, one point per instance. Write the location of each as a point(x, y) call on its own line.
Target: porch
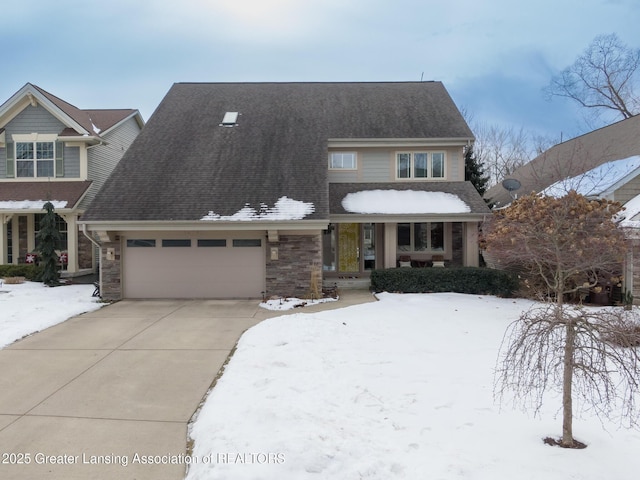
point(352, 250)
point(18, 231)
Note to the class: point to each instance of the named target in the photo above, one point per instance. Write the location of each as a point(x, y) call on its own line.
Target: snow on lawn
point(29, 307)
point(398, 389)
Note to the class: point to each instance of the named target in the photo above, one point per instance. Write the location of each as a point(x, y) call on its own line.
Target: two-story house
point(53, 151)
point(235, 189)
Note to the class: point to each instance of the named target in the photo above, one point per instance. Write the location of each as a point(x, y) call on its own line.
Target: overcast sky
point(494, 56)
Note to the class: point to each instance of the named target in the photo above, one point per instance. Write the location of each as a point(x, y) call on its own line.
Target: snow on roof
point(30, 204)
point(599, 181)
point(284, 209)
point(403, 202)
point(627, 217)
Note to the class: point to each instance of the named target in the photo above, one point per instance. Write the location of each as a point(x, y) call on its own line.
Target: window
point(342, 160)
point(420, 165)
point(212, 242)
point(179, 242)
point(249, 242)
point(35, 159)
point(421, 237)
point(141, 243)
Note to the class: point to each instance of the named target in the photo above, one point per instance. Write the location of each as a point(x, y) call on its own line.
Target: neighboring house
point(53, 151)
point(571, 158)
point(245, 189)
point(604, 163)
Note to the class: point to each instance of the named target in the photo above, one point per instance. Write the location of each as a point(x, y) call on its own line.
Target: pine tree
point(48, 240)
point(473, 171)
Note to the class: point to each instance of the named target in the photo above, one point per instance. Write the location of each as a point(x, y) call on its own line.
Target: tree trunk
point(567, 380)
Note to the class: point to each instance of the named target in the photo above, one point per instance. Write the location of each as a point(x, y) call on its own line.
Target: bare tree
point(567, 244)
point(501, 150)
point(603, 79)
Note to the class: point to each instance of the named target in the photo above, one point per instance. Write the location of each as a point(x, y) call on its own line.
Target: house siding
point(103, 159)
point(290, 274)
point(71, 162)
point(34, 119)
point(376, 166)
point(628, 191)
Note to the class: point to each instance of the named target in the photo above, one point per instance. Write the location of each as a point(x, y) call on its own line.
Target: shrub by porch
point(473, 280)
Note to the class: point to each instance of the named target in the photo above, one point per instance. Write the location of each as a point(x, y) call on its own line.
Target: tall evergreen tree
point(49, 239)
point(473, 171)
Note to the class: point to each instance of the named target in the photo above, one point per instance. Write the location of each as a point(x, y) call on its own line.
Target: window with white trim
point(419, 165)
point(342, 161)
point(421, 237)
point(35, 159)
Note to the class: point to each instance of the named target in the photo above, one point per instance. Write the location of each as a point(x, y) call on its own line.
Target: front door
point(348, 247)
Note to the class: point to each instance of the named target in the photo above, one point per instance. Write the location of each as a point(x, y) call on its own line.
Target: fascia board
point(408, 218)
point(203, 225)
point(398, 142)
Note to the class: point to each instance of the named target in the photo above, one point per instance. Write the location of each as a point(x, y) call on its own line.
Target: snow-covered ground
point(29, 307)
point(398, 389)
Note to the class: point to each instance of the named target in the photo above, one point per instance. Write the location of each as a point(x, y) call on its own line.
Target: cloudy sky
point(494, 56)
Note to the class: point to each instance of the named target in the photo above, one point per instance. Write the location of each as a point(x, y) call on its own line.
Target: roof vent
point(230, 119)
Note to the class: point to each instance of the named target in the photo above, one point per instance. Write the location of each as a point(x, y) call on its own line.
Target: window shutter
point(11, 164)
point(59, 159)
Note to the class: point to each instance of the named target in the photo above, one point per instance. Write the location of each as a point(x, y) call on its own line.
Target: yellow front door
point(348, 247)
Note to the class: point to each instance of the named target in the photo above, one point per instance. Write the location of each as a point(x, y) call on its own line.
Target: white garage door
point(193, 267)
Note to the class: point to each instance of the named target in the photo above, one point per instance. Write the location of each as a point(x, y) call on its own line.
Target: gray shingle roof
point(184, 164)
point(463, 190)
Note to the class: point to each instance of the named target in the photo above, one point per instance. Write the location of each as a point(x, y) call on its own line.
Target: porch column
point(390, 244)
point(72, 242)
point(31, 232)
point(471, 253)
point(15, 240)
point(4, 219)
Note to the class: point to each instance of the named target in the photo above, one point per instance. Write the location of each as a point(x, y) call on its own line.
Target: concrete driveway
point(109, 394)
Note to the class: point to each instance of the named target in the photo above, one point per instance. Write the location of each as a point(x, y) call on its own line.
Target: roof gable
point(90, 123)
point(185, 164)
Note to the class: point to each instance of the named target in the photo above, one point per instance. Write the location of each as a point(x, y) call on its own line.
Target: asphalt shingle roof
point(71, 192)
point(184, 164)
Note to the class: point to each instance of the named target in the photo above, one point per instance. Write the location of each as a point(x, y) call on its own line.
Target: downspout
point(86, 234)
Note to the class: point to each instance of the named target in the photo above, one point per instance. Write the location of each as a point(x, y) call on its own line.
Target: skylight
point(230, 119)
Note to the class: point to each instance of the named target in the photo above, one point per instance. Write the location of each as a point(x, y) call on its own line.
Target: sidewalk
point(109, 394)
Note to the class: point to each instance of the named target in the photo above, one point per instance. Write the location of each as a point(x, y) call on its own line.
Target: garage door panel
point(193, 272)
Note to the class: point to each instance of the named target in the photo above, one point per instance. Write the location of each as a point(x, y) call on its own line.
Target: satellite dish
point(511, 184)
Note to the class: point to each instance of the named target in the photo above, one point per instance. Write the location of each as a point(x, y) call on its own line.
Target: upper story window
point(420, 165)
point(342, 160)
point(35, 159)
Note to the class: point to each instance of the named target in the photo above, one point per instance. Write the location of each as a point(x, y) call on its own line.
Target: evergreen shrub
point(472, 280)
point(32, 273)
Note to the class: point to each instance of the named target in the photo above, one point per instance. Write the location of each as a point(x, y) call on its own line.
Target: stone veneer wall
point(111, 272)
point(290, 275)
point(85, 252)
